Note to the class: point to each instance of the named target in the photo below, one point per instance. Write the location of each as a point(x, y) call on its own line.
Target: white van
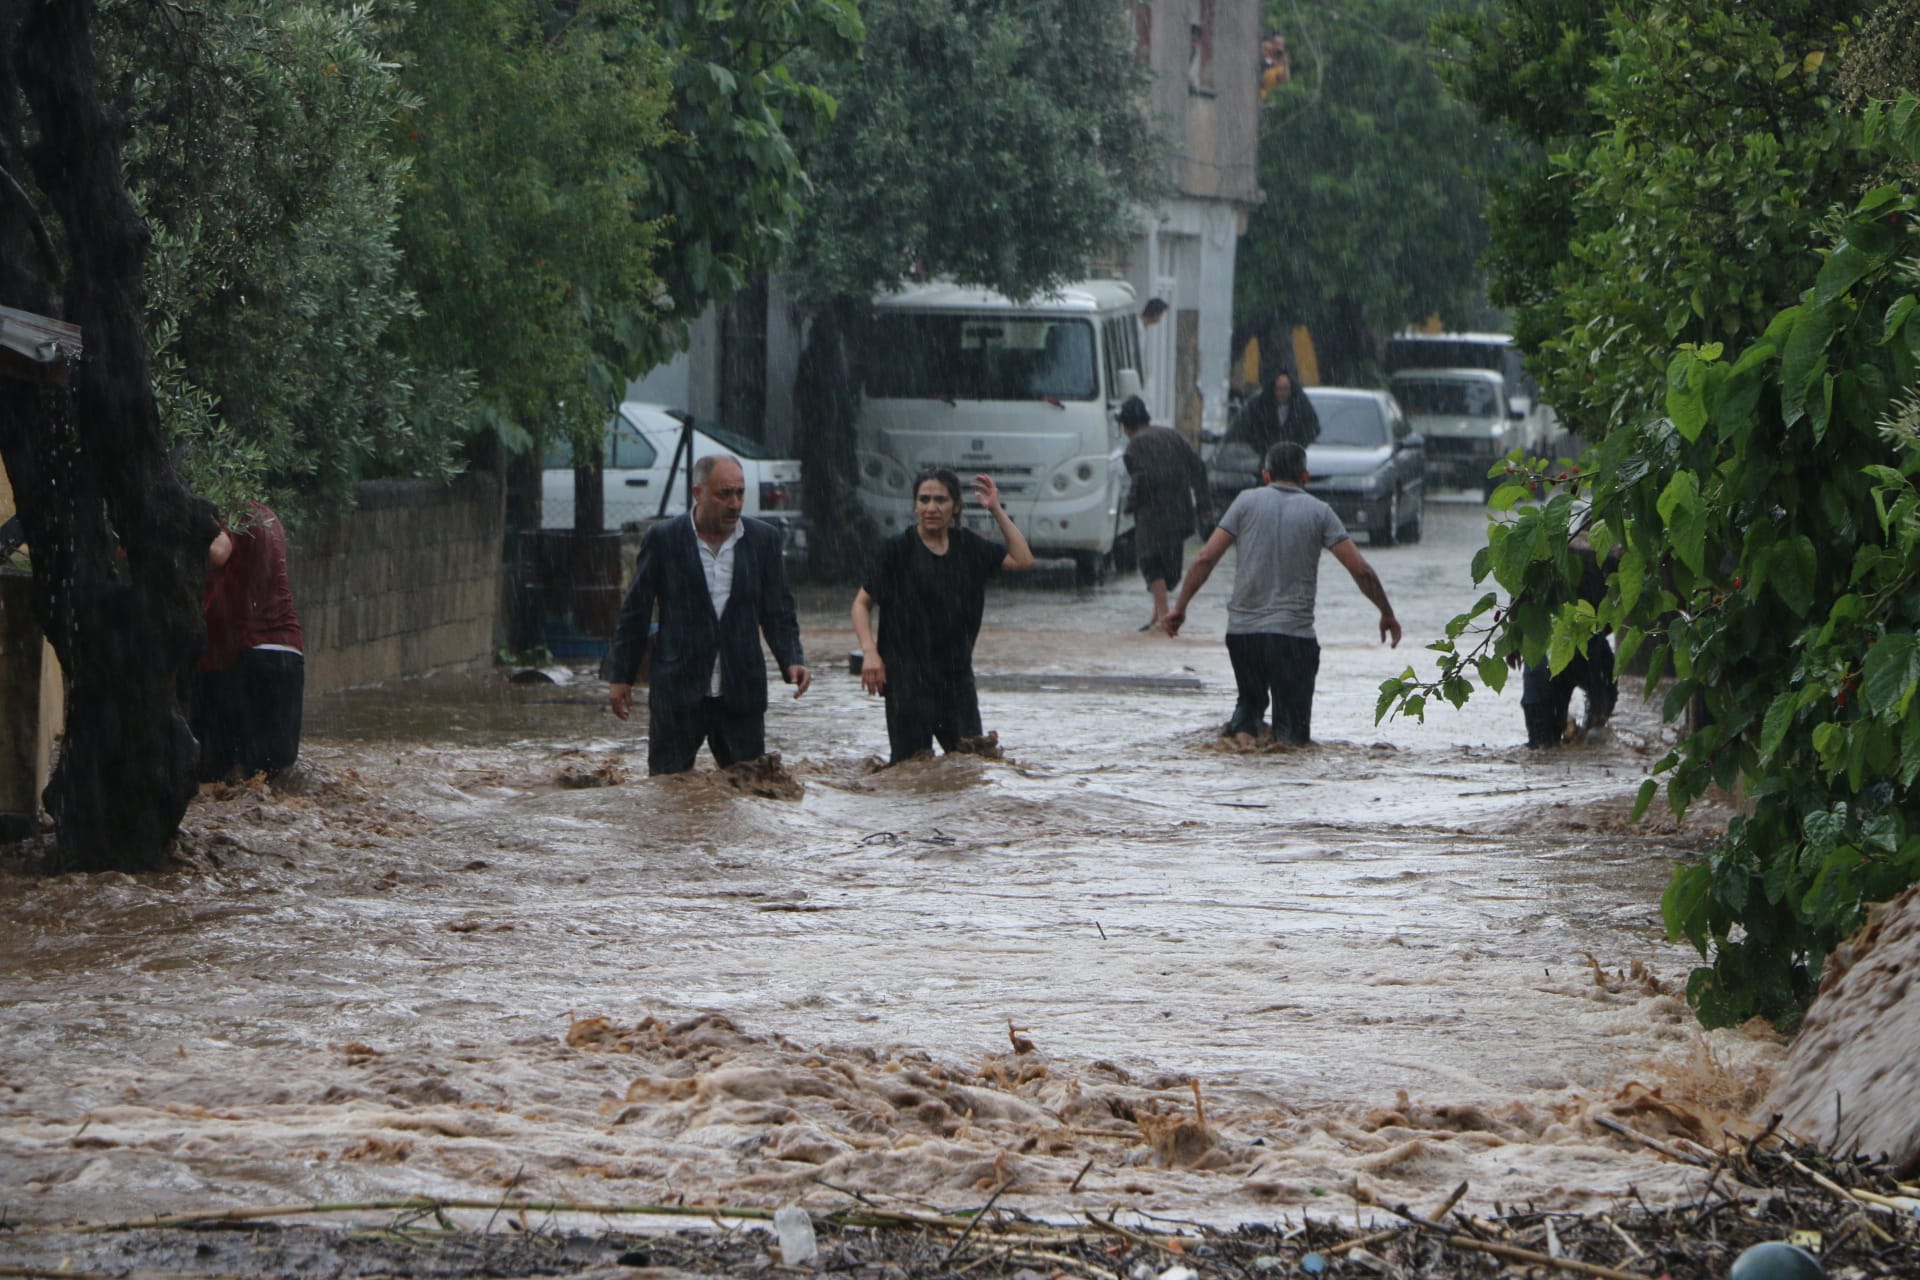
point(1024, 392)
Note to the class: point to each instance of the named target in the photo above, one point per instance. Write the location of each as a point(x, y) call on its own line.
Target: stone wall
point(406, 583)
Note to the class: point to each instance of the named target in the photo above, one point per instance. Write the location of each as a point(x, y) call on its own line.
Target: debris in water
point(794, 1228)
point(765, 777)
point(987, 747)
point(579, 775)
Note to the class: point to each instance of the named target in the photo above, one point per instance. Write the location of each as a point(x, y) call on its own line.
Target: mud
point(1106, 964)
point(1854, 1071)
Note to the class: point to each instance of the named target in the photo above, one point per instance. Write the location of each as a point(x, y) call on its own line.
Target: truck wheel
point(1089, 567)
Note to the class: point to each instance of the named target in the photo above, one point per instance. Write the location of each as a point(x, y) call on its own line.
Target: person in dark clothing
point(251, 682)
point(930, 584)
point(720, 584)
point(1279, 413)
point(1168, 498)
point(1545, 698)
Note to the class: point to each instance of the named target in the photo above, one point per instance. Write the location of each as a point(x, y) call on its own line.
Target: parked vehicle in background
point(1025, 392)
point(1463, 417)
point(1369, 465)
point(641, 483)
point(1529, 425)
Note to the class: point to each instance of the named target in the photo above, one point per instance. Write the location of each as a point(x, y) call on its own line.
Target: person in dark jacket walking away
point(930, 584)
point(720, 584)
point(1280, 412)
point(1168, 499)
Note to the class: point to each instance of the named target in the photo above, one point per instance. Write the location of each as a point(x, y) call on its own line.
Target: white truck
point(1469, 397)
point(1025, 392)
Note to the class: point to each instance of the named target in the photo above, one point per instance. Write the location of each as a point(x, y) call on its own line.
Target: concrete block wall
point(406, 583)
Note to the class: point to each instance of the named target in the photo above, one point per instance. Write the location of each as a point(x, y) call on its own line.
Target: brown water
point(480, 948)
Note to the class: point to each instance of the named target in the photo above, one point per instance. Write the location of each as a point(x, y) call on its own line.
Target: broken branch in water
point(1664, 1148)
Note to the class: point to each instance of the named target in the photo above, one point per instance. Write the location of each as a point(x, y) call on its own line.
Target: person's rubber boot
point(1542, 729)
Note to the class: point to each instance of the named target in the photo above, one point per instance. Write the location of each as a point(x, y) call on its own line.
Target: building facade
point(1205, 57)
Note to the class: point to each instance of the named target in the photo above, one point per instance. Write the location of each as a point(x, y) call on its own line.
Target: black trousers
point(247, 717)
point(916, 717)
point(1268, 666)
point(674, 737)
point(1546, 698)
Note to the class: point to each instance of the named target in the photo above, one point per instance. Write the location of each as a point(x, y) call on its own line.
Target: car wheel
point(1416, 524)
point(1388, 529)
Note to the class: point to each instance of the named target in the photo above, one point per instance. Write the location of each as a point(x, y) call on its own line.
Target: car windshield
point(1449, 396)
point(624, 445)
point(733, 441)
point(1350, 420)
point(980, 357)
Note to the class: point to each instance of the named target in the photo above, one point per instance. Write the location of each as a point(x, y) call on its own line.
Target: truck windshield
point(1450, 396)
point(980, 357)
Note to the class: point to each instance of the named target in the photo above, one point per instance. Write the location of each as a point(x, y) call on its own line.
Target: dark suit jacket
point(669, 574)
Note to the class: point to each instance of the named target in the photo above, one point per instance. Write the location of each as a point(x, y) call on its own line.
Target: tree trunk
point(119, 546)
point(826, 396)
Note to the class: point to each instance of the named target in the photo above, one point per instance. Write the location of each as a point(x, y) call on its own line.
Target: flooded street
point(481, 951)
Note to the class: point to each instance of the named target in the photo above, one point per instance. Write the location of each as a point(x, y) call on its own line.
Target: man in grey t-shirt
point(1280, 529)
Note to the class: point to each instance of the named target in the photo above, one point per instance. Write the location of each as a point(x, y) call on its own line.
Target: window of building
point(1200, 29)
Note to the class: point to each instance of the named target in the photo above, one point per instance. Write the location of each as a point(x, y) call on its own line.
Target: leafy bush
point(1768, 535)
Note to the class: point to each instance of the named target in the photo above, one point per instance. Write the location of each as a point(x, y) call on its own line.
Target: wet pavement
point(481, 950)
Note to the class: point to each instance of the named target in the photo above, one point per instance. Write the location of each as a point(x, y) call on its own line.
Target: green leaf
point(1844, 268)
point(1791, 566)
point(1688, 528)
point(1804, 362)
point(1507, 496)
point(1683, 905)
point(1560, 649)
point(1648, 790)
point(1773, 730)
point(1683, 491)
point(1896, 317)
point(1888, 677)
point(1493, 673)
point(1685, 404)
point(1629, 577)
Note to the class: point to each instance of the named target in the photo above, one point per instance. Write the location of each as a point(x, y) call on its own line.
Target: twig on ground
point(985, 1209)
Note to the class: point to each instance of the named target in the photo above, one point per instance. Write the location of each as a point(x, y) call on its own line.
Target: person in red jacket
point(248, 691)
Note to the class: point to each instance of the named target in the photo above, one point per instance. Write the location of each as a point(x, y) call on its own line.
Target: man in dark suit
point(720, 583)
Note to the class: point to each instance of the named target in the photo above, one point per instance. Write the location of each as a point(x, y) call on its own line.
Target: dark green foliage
point(1374, 180)
point(1680, 166)
point(998, 143)
point(258, 151)
point(1768, 531)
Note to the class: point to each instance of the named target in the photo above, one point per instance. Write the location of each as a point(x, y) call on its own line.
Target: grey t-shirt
point(1279, 531)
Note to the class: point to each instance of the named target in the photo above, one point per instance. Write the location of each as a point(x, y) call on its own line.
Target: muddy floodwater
point(478, 951)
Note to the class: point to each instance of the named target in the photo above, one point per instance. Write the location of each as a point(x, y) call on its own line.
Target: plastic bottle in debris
point(793, 1227)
